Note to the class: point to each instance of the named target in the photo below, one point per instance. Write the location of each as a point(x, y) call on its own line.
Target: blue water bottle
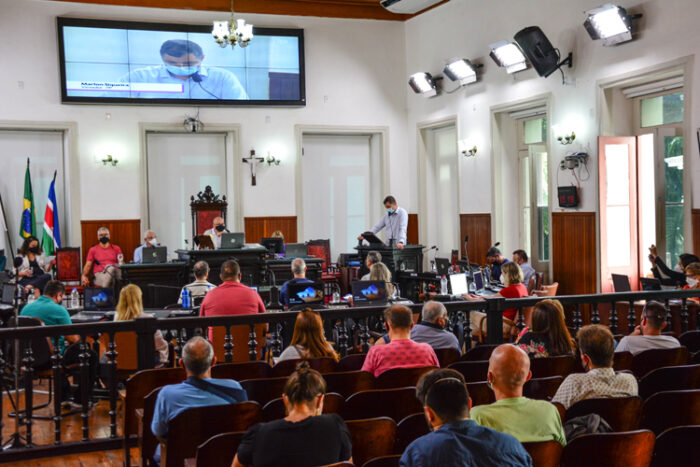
point(186, 299)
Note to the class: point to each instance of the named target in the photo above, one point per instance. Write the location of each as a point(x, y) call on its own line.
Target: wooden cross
point(253, 161)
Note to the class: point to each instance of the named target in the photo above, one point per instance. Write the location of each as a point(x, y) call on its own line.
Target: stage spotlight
point(509, 56)
point(423, 83)
point(610, 23)
point(461, 70)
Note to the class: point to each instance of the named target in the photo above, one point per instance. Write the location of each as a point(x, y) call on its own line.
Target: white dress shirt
point(395, 223)
point(595, 384)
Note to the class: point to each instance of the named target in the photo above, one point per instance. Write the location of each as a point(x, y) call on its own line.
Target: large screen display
point(154, 63)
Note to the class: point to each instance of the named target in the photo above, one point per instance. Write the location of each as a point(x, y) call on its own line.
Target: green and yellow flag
point(27, 223)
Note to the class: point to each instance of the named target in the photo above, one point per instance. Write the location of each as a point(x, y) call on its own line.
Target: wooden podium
point(408, 259)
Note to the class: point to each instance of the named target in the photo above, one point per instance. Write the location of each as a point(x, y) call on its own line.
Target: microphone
point(96, 261)
point(466, 239)
point(17, 262)
point(197, 78)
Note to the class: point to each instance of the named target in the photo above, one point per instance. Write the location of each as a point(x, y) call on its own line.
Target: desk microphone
point(197, 78)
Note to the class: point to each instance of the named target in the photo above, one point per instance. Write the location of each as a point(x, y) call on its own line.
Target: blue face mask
point(390, 210)
point(182, 71)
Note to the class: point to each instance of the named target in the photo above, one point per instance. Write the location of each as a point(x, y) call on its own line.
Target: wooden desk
point(282, 268)
point(251, 258)
point(173, 274)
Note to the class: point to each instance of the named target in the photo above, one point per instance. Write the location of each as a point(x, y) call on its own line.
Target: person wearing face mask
point(496, 260)
point(103, 261)
point(149, 241)
point(33, 273)
point(692, 276)
point(218, 228)
point(395, 221)
point(675, 277)
point(182, 66)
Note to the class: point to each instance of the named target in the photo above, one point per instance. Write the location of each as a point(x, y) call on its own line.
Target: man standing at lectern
point(396, 222)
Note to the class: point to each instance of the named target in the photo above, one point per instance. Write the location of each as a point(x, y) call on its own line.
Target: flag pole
point(11, 253)
point(54, 175)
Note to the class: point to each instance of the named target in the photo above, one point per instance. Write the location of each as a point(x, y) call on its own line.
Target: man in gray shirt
point(373, 257)
point(201, 285)
point(431, 330)
point(648, 334)
point(520, 257)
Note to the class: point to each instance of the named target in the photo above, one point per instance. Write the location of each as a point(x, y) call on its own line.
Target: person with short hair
point(455, 440)
point(299, 272)
point(431, 328)
point(496, 260)
point(308, 340)
point(548, 335)
point(395, 221)
point(520, 257)
point(597, 347)
point(218, 228)
point(231, 297)
point(527, 419)
point(149, 241)
point(305, 436)
point(647, 335)
point(400, 351)
point(373, 257)
point(198, 390)
point(692, 276)
point(103, 261)
point(33, 273)
point(201, 285)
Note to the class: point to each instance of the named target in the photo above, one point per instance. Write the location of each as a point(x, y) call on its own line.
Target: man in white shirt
point(395, 221)
point(648, 334)
point(597, 347)
point(520, 257)
point(199, 288)
point(217, 230)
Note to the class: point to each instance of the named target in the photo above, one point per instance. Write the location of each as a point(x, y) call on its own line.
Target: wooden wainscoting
point(574, 259)
point(696, 231)
point(259, 227)
point(478, 227)
point(126, 233)
point(412, 229)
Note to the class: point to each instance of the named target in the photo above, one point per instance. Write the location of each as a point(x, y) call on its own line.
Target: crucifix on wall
point(253, 161)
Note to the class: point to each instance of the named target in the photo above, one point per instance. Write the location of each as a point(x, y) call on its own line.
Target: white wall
point(465, 28)
point(354, 76)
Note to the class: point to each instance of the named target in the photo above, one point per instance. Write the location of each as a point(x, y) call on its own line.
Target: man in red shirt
point(103, 261)
point(231, 297)
point(401, 351)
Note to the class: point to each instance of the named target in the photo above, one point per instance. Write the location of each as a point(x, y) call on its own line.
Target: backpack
point(585, 425)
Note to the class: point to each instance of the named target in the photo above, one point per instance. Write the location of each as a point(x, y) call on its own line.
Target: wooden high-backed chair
point(205, 207)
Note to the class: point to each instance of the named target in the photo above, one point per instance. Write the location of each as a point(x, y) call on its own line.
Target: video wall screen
point(154, 63)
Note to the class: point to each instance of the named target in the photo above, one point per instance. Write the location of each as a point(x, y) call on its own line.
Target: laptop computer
point(273, 244)
point(621, 283)
point(158, 254)
point(8, 294)
point(368, 293)
point(98, 299)
point(442, 265)
point(232, 241)
point(296, 250)
point(479, 286)
point(458, 284)
point(305, 294)
point(650, 283)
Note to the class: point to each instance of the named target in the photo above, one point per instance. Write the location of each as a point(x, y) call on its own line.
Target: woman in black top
point(304, 438)
point(548, 335)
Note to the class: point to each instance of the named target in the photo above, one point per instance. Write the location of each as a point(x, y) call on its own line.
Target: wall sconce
point(567, 139)
point(469, 152)
point(110, 160)
point(271, 160)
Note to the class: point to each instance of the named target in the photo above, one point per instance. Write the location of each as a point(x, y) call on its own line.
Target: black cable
point(207, 91)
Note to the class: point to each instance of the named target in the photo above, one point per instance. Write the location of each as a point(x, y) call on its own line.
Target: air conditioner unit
point(407, 7)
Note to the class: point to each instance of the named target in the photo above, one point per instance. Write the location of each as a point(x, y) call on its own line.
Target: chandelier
point(235, 32)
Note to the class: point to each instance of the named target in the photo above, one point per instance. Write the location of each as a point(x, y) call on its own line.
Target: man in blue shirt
point(299, 272)
point(198, 390)
point(495, 259)
point(183, 76)
point(395, 221)
point(456, 440)
point(149, 241)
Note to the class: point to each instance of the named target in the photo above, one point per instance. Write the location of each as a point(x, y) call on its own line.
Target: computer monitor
point(158, 254)
point(478, 281)
point(8, 294)
point(621, 283)
point(305, 294)
point(273, 245)
point(369, 293)
point(442, 265)
point(232, 241)
point(458, 283)
point(650, 283)
point(296, 250)
point(98, 299)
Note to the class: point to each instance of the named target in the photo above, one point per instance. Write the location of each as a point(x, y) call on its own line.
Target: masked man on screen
point(182, 66)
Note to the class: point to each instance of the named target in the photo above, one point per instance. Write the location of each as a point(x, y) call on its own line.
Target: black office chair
point(163, 296)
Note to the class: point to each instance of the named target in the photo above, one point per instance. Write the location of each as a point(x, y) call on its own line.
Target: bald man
point(528, 420)
point(217, 230)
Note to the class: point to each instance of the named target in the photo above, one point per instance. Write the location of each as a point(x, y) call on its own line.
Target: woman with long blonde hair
point(130, 306)
point(379, 272)
point(308, 340)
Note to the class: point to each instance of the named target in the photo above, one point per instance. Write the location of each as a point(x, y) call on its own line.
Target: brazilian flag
point(27, 223)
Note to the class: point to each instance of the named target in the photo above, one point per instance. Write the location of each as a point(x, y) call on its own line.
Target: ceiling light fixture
point(509, 56)
point(423, 83)
point(610, 23)
point(235, 32)
point(461, 70)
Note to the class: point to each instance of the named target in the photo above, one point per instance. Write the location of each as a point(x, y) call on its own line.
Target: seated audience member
point(647, 335)
point(520, 257)
point(33, 273)
point(379, 272)
point(198, 390)
point(431, 329)
point(199, 288)
point(373, 257)
point(103, 261)
point(455, 440)
point(48, 309)
point(496, 260)
point(308, 340)
point(400, 351)
point(130, 306)
point(231, 297)
point(548, 336)
point(670, 277)
point(528, 420)
point(299, 273)
point(279, 234)
point(149, 241)
point(692, 276)
point(304, 437)
point(597, 346)
point(217, 230)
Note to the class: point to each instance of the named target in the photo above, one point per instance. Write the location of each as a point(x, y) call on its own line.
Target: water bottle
point(186, 299)
point(74, 299)
point(443, 285)
point(30, 297)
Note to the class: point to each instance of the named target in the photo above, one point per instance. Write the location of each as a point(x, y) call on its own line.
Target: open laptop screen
point(478, 281)
point(305, 294)
point(365, 292)
point(99, 299)
point(458, 283)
